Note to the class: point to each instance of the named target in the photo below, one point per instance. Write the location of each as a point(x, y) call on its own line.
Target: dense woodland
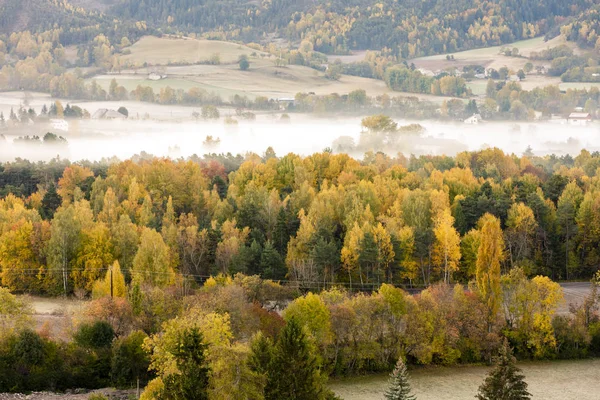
point(187, 262)
point(408, 28)
point(319, 220)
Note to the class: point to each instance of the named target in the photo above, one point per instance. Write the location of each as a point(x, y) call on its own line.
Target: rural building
point(105, 113)
point(155, 76)
point(59, 125)
point(473, 119)
point(285, 102)
point(580, 119)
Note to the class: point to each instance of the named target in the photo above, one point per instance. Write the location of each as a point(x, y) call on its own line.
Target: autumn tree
point(446, 249)
point(521, 225)
point(489, 256)
point(151, 262)
point(112, 285)
point(19, 264)
point(15, 313)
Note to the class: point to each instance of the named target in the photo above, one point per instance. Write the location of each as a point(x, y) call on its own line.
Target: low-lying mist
point(94, 140)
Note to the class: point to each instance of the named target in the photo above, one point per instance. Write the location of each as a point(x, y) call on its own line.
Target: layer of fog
point(171, 131)
point(94, 140)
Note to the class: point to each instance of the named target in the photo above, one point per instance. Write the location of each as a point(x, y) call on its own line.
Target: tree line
point(316, 221)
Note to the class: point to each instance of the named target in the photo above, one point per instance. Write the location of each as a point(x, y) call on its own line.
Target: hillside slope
point(41, 15)
point(408, 28)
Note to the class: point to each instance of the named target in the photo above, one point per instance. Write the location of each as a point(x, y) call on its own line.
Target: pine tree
point(192, 380)
point(505, 381)
point(399, 387)
point(294, 371)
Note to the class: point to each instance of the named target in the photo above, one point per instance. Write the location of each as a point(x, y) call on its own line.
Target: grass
point(557, 380)
point(262, 79)
point(490, 57)
point(162, 51)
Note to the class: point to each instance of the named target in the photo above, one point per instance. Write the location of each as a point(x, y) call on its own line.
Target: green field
point(557, 380)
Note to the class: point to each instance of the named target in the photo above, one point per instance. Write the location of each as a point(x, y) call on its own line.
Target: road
point(575, 293)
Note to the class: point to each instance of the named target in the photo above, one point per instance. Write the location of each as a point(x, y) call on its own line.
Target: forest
point(409, 29)
point(270, 269)
point(320, 220)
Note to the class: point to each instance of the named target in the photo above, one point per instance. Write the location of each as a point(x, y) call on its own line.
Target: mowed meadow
point(557, 380)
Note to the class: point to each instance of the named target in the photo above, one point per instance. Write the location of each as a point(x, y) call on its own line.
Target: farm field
point(489, 57)
point(263, 79)
point(556, 380)
point(162, 51)
point(226, 79)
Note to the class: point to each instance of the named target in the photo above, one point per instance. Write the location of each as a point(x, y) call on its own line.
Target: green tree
point(294, 372)
point(50, 203)
point(398, 384)
point(505, 381)
point(190, 358)
point(129, 362)
point(244, 63)
point(96, 335)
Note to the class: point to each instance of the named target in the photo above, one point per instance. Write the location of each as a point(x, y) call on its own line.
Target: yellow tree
point(406, 245)
point(95, 255)
point(521, 225)
point(446, 249)
point(18, 263)
point(489, 256)
point(229, 247)
point(385, 250)
point(113, 283)
point(151, 262)
point(72, 177)
point(351, 250)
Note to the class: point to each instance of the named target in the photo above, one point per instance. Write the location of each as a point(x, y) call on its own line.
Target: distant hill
point(41, 15)
point(408, 28)
point(73, 23)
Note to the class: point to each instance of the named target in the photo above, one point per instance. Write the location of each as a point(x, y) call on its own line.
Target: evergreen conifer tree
point(505, 381)
point(399, 386)
point(294, 371)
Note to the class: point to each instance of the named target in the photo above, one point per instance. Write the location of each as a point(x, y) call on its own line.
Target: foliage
point(505, 381)
point(97, 335)
point(399, 386)
point(129, 360)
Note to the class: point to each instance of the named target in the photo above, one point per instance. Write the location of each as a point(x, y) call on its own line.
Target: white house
point(59, 125)
point(105, 113)
point(579, 119)
point(473, 119)
point(155, 76)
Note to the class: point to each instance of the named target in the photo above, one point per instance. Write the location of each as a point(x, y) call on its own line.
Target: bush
point(129, 361)
point(97, 335)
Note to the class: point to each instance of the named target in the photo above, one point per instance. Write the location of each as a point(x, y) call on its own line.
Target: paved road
point(575, 293)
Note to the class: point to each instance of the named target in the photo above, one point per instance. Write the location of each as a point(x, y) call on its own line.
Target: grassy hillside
point(163, 51)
